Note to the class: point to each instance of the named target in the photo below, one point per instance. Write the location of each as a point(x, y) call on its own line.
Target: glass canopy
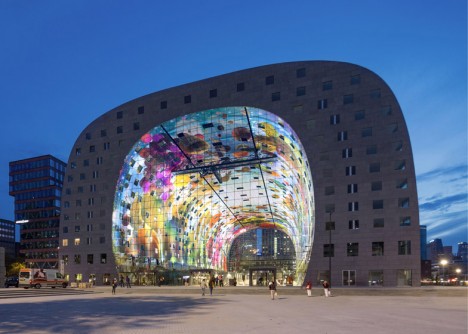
point(190, 186)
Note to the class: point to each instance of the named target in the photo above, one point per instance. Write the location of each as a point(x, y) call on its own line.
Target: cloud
point(458, 172)
point(443, 203)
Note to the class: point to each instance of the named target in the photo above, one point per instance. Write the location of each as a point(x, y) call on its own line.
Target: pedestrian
point(211, 285)
point(121, 283)
point(326, 288)
point(127, 279)
point(114, 285)
point(272, 287)
point(309, 289)
point(203, 287)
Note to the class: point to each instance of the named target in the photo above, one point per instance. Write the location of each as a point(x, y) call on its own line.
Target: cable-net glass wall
point(192, 185)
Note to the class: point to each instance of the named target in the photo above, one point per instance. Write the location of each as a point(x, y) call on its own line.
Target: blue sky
point(64, 63)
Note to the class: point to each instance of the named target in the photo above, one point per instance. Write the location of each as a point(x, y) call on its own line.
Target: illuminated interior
point(192, 185)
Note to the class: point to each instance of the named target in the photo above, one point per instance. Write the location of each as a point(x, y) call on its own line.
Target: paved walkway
point(153, 310)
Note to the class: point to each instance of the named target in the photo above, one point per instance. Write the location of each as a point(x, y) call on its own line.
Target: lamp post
point(443, 263)
point(330, 225)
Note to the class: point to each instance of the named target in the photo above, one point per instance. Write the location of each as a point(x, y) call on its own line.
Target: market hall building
point(294, 172)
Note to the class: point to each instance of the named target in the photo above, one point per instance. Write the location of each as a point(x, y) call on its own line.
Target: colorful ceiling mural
point(191, 185)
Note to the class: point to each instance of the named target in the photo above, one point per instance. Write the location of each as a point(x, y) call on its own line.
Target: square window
point(322, 104)
point(276, 96)
point(377, 204)
point(187, 99)
point(329, 190)
point(402, 184)
point(370, 150)
point(359, 115)
point(103, 133)
point(141, 110)
point(270, 80)
point(334, 119)
point(374, 167)
point(350, 170)
point(240, 87)
point(400, 165)
point(405, 221)
point(353, 206)
point(379, 222)
point(92, 148)
point(347, 99)
point(376, 186)
point(352, 188)
point(300, 72)
point(119, 114)
point(378, 248)
point(355, 79)
point(78, 151)
point(386, 111)
point(120, 129)
point(102, 240)
point(136, 126)
point(403, 203)
point(77, 241)
point(347, 153)
point(213, 93)
point(404, 247)
point(327, 85)
point(86, 162)
point(352, 249)
point(65, 242)
point(77, 228)
point(103, 258)
point(300, 91)
point(328, 250)
point(88, 136)
point(163, 105)
point(90, 258)
point(342, 135)
point(353, 224)
point(329, 208)
point(375, 94)
point(77, 259)
point(366, 132)
point(65, 229)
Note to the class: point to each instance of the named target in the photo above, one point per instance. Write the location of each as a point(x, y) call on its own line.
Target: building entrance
point(261, 276)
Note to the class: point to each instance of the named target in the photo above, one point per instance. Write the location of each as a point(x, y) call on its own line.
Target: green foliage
point(14, 268)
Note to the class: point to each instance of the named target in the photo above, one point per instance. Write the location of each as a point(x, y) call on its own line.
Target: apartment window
point(370, 150)
point(65, 242)
point(329, 190)
point(342, 135)
point(120, 129)
point(329, 208)
point(102, 240)
point(65, 229)
point(77, 258)
point(141, 110)
point(77, 151)
point(400, 165)
point(92, 188)
point(213, 93)
point(403, 203)
point(353, 224)
point(82, 176)
point(86, 162)
point(95, 174)
point(348, 99)
point(376, 186)
point(328, 172)
point(68, 191)
point(375, 94)
point(386, 111)
point(322, 104)
point(89, 227)
point(119, 114)
point(379, 222)
point(328, 250)
point(352, 249)
point(103, 133)
point(77, 241)
point(402, 184)
point(66, 217)
point(327, 85)
point(377, 204)
point(88, 136)
point(103, 258)
point(270, 80)
point(89, 258)
point(350, 170)
point(334, 119)
point(347, 153)
point(73, 165)
point(300, 72)
point(300, 91)
point(99, 161)
point(359, 115)
point(240, 87)
point(404, 247)
point(89, 240)
point(90, 214)
point(374, 167)
point(355, 79)
point(405, 221)
point(392, 128)
point(78, 202)
point(366, 132)
point(353, 206)
point(378, 248)
point(70, 178)
point(91, 201)
point(187, 99)
point(398, 146)
point(163, 105)
point(352, 188)
point(65, 259)
point(77, 216)
point(311, 124)
point(136, 126)
point(77, 228)
point(276, 96)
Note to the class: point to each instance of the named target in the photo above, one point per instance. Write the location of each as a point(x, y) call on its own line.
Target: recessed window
point(386, 111)
point(370, 150)
point(379, 222)
point(163, 105)
point(79, 189)
point(92, 148)
point(398, 146)
point(352, 249)
point(78, 151)
point(377, 204)
point(88, 136)
point(103, 133)
point(328, 250)
point(141, 110)
point(240, 86)
point(136, 126)
point(276, 96)
point(270, 80)
point(77, 258)
point(77, 241)
point(329, 208)
point(392, 128)
point(106, 146)
point(378, 248)
point(404, 247)
point(77, 228)
point(300, 72)
point(405, 221)
point(120, 129)
point(82, 176)
point(366, 132)
point(65, 242)
point(359, 115)
point(403, 203)
point(90, 258)
point(102, 240)
point(86, 162)
point(119, 114)
point(187, 99)
point(402, 184)
point(322, 104)
point(334, 119)
point(213, 93)
point(355, 79)
point(374, 167)
point(327, 85)
point(375, 94)
point(78, 202)
point(342, 135)
point(352, 188)
point(103, 258)
point(329, 190)
point(353, 224)
point(376, 186)
point(347, 99)
point(300, 91)
point(353, 206)
point(350, 170)
point(400, 165)
point(347, 153)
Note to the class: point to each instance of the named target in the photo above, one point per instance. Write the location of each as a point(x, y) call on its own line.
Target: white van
point(37, 278)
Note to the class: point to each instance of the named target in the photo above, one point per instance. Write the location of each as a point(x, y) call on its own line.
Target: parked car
point(11, 281)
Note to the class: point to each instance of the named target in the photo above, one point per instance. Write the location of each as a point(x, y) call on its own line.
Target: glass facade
point(226, 189)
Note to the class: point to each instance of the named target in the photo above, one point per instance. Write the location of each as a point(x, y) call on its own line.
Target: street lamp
point(443, 264)
point(330, 225)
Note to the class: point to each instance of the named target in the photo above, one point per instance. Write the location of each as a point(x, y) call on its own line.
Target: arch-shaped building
point(287, 171)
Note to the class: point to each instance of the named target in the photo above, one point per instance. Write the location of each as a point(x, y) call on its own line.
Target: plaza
point(231, 310)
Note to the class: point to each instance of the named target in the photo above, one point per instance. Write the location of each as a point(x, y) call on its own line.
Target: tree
point(14, 268)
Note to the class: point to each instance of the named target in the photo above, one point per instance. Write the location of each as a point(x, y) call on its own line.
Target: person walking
point(114, 285)
point(272, 287)
point(309, 289)
point(127, 279)
point(326, 288)
point(203, 287)
point(211, 285)
point(121, 282)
